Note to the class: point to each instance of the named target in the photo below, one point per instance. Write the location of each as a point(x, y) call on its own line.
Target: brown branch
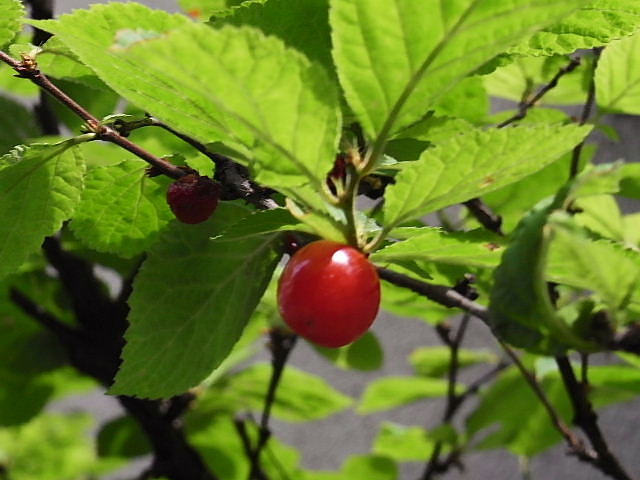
point(27, 68)
point(525, 106)
point(47, 119)
point(281, 344)
point(586, 418)
point(586, 113)
point(487, 218)
point(441, 294)
point(93, 347)
point(235, 178)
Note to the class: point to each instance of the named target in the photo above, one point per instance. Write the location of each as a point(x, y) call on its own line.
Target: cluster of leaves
point(407, 93)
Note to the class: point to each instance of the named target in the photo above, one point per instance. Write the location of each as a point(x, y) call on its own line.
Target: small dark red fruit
point(329, 293)
point(193, 198)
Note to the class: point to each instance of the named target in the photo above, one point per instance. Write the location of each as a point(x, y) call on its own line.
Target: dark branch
point(525, 106)
point(441, 294)
point(586, 113)
point(28, 69)
point(281, 345)
point(47, 119)
point(93, 347)
point(235, 178)
point(585, 417)
point(487, 218)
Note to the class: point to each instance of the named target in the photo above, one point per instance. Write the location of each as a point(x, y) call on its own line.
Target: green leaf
point(392, 392)
point(435, 361)
point(261, 222)
point(618, 77)
point(435, 245)
point(365, 354)
point(40, 186)
point(519, 304)
point(471, 165)
point(500, 413)
point(290, 22)
point(520, 307)
point(203, 9)
point(222, 450)
point(602, 267)
point(601, 214)
point(191, 301)
point(630, 182)
point(529, 74)
point(402, 443)
point(595, 24)
point(122, 437)
point(16, 124)
point(233, 85)
point(396, 65)
point(58, 61)
point(371, 467)
point(11, 13)
point(467, 100)
point(66, 453)
point(300, 396)
point(122, 211)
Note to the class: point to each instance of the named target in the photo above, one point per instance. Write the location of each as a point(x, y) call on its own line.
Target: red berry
point(193, 198)
point(329, 293)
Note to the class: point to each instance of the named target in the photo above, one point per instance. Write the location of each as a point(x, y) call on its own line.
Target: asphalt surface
point(325, 444)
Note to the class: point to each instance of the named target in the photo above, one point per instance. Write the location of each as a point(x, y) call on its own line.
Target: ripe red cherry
point(193, 198)
point(329, 293)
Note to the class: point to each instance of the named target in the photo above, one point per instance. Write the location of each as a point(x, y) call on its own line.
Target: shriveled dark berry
point(193, 198)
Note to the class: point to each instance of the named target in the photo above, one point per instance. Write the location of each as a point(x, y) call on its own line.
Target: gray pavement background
point(325, 444)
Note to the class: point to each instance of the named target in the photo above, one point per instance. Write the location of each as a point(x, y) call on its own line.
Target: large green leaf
point(290, 22)
point(618, 76)
point(470, 165)
point(190, 304)
point(364, 354)
point(403, 443)
point(395, 58)
point(603, 267)
point(597, 23)
point(11, 12)
point(300, 396)
point(499, 413)
point(58, 61)
point(435, 245)
point(16, 124)
point(122, 210)
point(51, 447)
point(435, 361)
point(391, 392)
point(222, 450)
point(233, 85)
point(502, 406)
point(529, 74)
point(40, 186)
point(520, 306)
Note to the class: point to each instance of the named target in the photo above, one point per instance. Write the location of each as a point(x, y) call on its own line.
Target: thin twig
point(47, 119)
point(441, 294)
point(282, 344)
point(487, 218)
point(234, 177)
point(586, 418)
point(525, 106)
point(28, 69)
point(586, 112)
point(453, 401)
point(576, 445)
